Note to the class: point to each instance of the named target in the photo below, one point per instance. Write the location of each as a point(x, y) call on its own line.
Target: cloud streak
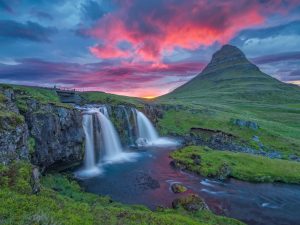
point(103, 76)
point(29, 31)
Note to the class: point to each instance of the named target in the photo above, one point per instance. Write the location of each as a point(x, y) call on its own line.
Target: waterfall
point(103, 110)
point(111, 141)
point(129, 127)
point(147, 135)
point(89, 141)
point(102, 140)
point(146, 131)
point(89, 158)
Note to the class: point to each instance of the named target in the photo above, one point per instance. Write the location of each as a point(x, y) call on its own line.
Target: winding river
point(147, 181)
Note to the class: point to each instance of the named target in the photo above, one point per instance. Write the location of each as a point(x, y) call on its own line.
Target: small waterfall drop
point(145, 127)
point(129, 127)
point(147, 134)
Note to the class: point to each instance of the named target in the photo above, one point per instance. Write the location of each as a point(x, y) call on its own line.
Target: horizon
point(141, 49)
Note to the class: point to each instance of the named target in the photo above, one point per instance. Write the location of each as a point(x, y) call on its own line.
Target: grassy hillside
point(230, 87)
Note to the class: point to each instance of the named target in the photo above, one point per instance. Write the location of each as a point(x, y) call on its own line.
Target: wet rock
point(196, 158)
point(176, 165)
point(178, 188)
point(146, 182)
point(224, 172)
point(140, 142)
point(255, 138)
point(190, 203)
point(35, 180)
point(244, 123)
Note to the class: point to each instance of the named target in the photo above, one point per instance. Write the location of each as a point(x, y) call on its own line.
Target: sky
point(138, 47)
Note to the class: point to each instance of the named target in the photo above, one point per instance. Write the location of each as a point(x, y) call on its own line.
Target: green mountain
point(231, 76)
point(231, 87)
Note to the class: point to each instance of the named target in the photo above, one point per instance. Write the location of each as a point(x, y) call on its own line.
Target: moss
point(16, 177)
point(2, 98)
point(243, 166)
point(10, 120)
point(31, 145)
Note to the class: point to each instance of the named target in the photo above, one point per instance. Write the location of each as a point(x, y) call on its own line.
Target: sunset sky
point(139, 47)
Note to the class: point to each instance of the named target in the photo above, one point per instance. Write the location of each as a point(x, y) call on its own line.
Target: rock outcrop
point(46, 134)
point(13, 130)
point(57, 132)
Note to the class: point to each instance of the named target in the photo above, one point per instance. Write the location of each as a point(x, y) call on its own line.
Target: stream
point(148, 178)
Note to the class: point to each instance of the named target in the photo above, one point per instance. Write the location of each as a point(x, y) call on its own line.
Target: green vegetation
point(31, 145)
point(237, 90)
point(62, 201)
point(242, 166)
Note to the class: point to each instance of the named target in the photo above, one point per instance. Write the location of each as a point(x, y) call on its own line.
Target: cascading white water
point(147, 135)
point(110, 138)
point(129, 127)
point(145, 128)
point(103, 110)
point(89, 158)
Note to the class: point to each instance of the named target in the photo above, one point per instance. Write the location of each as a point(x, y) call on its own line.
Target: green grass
point(279, 125)
point(241, 165)
point(61, 201)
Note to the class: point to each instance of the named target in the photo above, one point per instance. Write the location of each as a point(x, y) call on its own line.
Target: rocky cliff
point(13, 130)
point(46, 134)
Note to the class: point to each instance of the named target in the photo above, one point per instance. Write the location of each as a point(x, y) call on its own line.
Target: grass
point(61, 201)
point(279, 126)
point(241, 166)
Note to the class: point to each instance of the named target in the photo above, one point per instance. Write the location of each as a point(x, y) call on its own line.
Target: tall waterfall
point(89, 158)
point(111, 142)
point(89, 141)
point(101, 140)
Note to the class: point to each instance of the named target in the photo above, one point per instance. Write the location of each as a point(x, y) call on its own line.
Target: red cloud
point(155, 27)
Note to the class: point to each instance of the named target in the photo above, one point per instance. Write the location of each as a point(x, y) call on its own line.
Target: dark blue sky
point(141, 48)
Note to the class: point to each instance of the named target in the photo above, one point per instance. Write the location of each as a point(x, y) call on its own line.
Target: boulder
point(178, 188)
point(247, 124)
point(224, 172)
point(190, 203)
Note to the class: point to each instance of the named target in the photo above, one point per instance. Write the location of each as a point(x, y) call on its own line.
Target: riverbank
point(60, 200)
point(242, 166)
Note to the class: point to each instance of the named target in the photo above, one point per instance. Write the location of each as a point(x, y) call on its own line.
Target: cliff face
point(46, 134)
point(57, 133)
point(13, 130)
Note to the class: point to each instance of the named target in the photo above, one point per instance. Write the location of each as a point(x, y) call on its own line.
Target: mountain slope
point(229, 88)
point(231, 76)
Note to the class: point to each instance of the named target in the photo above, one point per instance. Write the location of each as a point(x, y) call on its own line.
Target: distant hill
point(230, 76)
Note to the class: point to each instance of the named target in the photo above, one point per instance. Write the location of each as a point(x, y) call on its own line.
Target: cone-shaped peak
point(227, 56)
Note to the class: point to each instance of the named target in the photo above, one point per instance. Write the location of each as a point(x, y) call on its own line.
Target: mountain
point(231, 76)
